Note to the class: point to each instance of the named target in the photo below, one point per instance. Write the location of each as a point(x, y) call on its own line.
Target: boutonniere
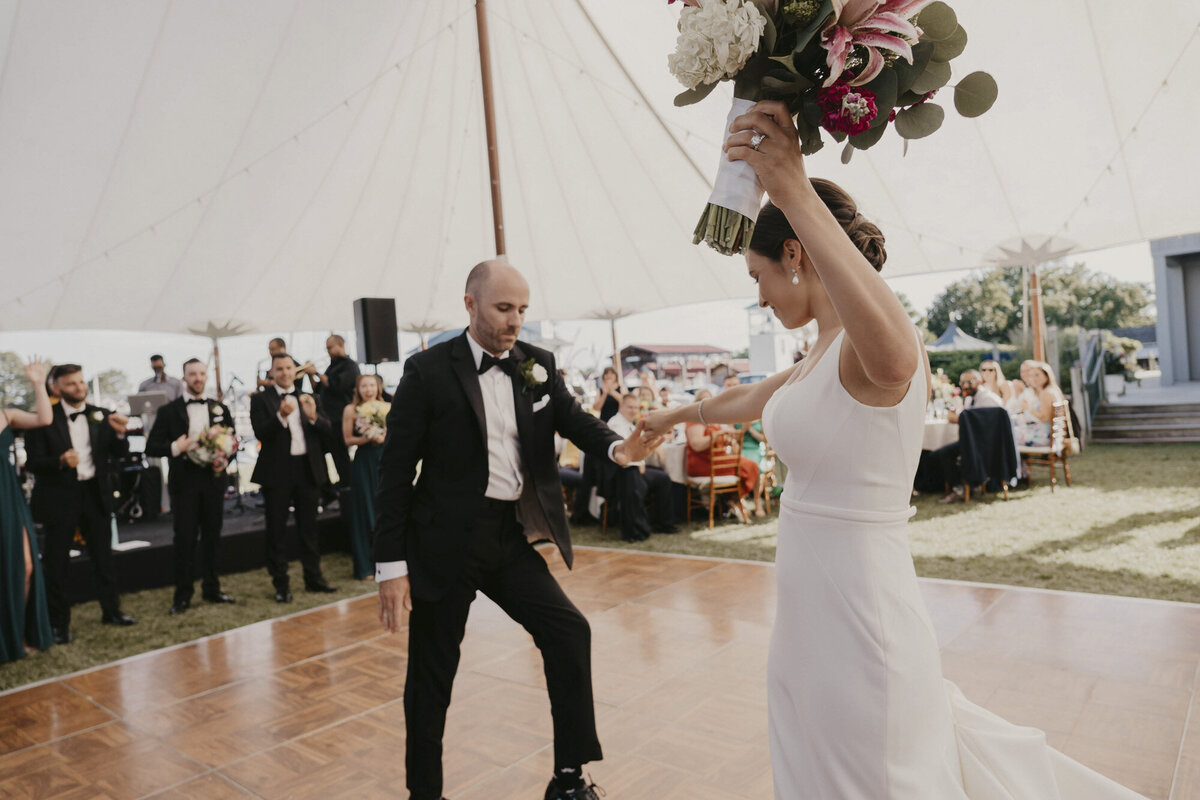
point(533, 373)
point(216, 412)
point(97, 416)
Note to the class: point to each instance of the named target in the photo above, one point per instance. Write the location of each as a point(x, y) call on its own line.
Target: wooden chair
point(1057, 451)
point(725, 456)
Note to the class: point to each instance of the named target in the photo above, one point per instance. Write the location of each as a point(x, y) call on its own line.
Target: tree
point(918, 319)
point(15, 389)
point(112, 382)
point(989, 304)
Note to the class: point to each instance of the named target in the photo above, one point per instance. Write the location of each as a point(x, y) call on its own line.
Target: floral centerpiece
point(371, 419)
point(849, 69)
point(213, 448)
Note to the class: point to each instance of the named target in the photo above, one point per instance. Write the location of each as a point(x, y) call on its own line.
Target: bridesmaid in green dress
point(24, 616)
point(364, 473)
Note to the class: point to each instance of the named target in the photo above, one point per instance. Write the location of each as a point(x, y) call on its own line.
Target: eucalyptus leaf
point(695, 95)
point(935, 76)
point(812, 144)
point(975, 94)
point(885, 87)
point(847, 152)
point(805, 34)
point(811, 112)
point(937, 21)
point(904, 152)
point(870, 136)
point(919, 121)
point(907, 73)
point(952, 46)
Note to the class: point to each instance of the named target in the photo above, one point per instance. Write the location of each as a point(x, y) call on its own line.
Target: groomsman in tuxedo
point(294, 435)
point(197, 492)
point(479, 413)
point(76, 487)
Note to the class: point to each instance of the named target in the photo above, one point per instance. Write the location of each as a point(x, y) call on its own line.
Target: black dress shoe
point(667, 529)
point(320, 587)
point(62, 635)
point(219, 597)
point(283, 597)
point(119, 618)
point(180, 607)
point(586, 791)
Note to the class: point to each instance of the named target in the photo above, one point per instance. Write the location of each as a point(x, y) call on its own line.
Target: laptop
point(146, 402)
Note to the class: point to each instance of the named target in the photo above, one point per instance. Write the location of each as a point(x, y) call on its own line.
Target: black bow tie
point(189, 401)
point(508, 365)
point(76, 414)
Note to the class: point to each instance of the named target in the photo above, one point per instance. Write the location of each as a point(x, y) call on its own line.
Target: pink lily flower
point(873, 25)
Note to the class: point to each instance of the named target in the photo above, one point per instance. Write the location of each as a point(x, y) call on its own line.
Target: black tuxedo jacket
point(171, 423)
point(276, 439)
point(438, 420)
point(43, 446)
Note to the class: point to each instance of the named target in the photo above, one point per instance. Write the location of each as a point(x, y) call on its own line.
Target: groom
point(479, 413)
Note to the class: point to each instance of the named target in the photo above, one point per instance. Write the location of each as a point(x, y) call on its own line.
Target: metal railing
point(1087, 379)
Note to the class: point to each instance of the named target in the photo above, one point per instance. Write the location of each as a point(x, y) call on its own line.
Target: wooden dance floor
point(310, 705)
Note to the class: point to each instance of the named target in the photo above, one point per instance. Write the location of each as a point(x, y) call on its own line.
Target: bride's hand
point(777, 161)
point(657, 423)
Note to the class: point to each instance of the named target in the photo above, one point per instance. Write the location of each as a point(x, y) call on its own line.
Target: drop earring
point(795, 277)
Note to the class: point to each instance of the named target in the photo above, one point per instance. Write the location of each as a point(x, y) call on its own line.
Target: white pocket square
point(540, 404)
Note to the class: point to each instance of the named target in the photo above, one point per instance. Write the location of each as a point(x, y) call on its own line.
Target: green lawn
point(1129, 526)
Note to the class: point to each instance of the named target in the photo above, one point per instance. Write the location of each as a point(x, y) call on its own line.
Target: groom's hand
point(393, 598)
point(633, 448)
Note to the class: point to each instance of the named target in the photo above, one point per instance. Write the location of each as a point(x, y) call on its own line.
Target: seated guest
point(993, 379)
point(975, 395)
point(77, 483)
point(363, 476)
point(294, 435)
point(608, 402)
point(700, 440)
point(640, 483)
point(160, 381)
point(664, 397)
point(646, 399)
point(197, 491)
point(754, 447)
point(730, 381)
point(1036, 411)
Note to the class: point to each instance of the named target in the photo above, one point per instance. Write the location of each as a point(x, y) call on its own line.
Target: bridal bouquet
point(848, 68)
point(214, 447)
point(372, 418)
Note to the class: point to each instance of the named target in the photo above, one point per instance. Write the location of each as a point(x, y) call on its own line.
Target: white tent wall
point(164, 166)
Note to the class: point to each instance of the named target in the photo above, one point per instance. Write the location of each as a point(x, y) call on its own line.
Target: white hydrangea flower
point(716, 39)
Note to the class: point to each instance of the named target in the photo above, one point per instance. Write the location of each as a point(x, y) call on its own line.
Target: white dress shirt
point(197, 414)
point(624, 428)
point(293, 424)
point(505, 478)
point(81, 440)
point(984, 398)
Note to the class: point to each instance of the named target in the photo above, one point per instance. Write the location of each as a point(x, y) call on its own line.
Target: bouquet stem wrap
point(728, 220)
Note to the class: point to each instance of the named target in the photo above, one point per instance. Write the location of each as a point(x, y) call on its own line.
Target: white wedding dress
point(858, 706)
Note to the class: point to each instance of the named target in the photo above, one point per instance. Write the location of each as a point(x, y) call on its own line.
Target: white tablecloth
point(939, 433)
point(672, 458)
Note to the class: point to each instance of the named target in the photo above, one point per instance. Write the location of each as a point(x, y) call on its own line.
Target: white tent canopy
point(256, 166)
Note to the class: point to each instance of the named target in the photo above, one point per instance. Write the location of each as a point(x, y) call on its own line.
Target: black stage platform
point(242, 548)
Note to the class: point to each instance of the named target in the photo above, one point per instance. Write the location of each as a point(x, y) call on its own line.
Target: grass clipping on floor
point(1130, 525)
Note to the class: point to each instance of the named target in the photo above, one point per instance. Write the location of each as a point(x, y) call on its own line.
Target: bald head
point(497, 296)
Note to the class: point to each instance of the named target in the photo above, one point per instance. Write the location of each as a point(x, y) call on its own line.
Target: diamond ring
point(757, 139)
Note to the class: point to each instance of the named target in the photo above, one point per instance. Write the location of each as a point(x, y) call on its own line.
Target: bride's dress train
point(858, 706)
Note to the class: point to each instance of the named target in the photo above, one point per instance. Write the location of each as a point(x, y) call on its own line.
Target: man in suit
point(76, 487)
point(197, 492)
point(479, 413)
point(637, 483)
point(294, 435)
point(975, 395)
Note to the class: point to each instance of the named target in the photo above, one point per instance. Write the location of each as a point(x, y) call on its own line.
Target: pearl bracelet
point(700, 411)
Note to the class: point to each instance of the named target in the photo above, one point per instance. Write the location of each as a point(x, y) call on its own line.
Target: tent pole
point(489, 117)
point(1039, 322)
point(1025, 302)
point(217, 369)
point(612, 324)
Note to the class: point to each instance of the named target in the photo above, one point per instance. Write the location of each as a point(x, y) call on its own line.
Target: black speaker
point(375, 324)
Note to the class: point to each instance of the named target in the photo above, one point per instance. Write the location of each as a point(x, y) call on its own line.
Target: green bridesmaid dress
point(364, 482)
point(20, 623)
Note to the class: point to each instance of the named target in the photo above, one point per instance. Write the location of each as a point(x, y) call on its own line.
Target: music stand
point(146, 402)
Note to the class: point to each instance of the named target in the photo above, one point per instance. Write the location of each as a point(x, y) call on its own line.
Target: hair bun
point(868, 239)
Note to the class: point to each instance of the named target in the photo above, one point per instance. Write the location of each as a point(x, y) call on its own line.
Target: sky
point(721, 323)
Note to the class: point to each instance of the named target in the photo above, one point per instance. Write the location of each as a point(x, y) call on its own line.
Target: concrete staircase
point(1147, 424)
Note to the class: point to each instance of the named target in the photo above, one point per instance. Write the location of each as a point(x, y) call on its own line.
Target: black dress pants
point(506, 568)
point(947, 458)
point(299, 491)
point(79, 507)
point(198, 506)
point(637, 487)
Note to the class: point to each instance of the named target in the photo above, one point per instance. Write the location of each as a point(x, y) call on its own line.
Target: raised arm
point(742, 403)
point(43, 413)
point(875, 322)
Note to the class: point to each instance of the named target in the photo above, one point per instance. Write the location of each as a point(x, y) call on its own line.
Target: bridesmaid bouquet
point(214, 447)
point(848, 68)
point(372, 419)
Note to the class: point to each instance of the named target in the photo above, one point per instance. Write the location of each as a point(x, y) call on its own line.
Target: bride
point(857, 703)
